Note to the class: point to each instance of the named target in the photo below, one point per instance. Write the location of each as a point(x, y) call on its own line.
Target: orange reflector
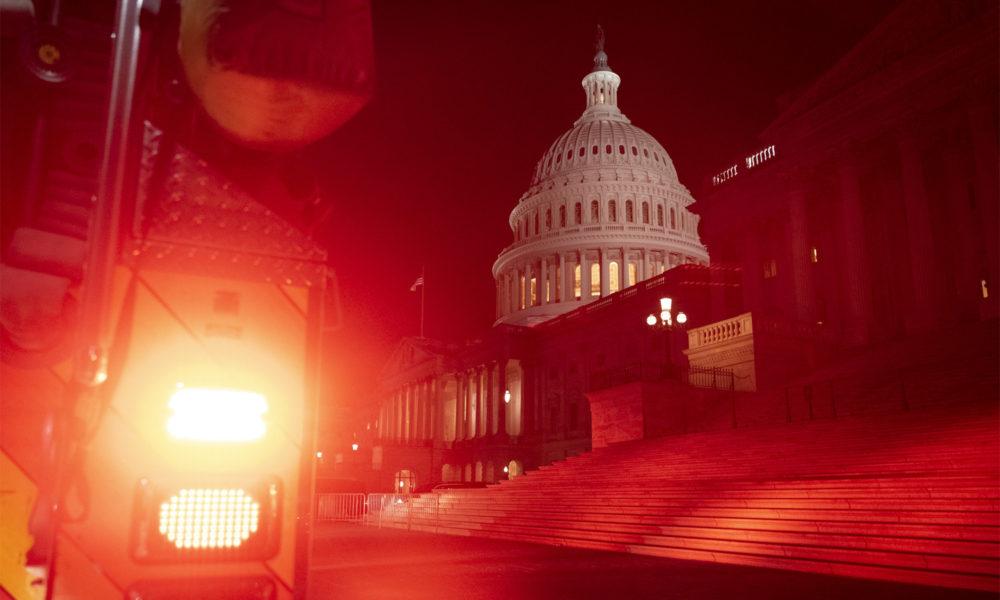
point(209, 518)
point(217, 415)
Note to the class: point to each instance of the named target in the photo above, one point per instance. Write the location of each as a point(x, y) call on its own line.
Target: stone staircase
point(910, 497)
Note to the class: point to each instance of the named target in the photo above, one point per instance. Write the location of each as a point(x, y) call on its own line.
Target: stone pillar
point(983, 129)
point(459, 407)
point(858, 302)
point(803, 291)
point(584, 277)
point(490, 400)
point(527, 399)
point(561, 279)
point(751, 270)
point(543, 282)
point(605, 280)
point(921, 313)
point(501, 405)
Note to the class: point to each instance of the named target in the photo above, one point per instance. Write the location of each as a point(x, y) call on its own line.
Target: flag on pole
point(418, 283)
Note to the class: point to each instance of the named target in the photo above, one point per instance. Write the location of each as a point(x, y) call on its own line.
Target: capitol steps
point(910, 497)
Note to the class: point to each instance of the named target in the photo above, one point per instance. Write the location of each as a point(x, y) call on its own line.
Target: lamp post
point(667, 320)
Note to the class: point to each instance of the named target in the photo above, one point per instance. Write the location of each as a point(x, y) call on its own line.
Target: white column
point(858, 301)
point(920, 314)
point(605, 281)
point(543, 282)
point(561, 279)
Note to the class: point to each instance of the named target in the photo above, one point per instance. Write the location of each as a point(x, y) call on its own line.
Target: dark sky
point(470, 94)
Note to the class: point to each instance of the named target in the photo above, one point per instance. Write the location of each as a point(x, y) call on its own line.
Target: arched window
point(629, 215)
point(548, 219)
point(613, 276)
point(520, 304)
point(607, 149)
point(621, 149)
point(534, 291)
point(595, 211)
point(594, 149)
point(577, 214)
point(595, 279)
point(562, 216)
point(612, 211)
point(576, 281)
point(673, 219)
point(582, 150)
point(659, 215)
point(645, 213)
point(633, 273)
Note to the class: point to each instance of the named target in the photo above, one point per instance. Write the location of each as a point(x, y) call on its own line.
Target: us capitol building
point(854, 270)
point(605, 210)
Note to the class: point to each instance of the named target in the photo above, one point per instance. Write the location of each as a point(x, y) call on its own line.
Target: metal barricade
point(340, 507)
point(388, 510)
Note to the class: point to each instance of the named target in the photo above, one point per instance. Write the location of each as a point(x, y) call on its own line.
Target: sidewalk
point(351, 562)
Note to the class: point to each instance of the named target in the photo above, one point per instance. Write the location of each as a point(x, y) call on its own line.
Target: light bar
point(217, 415)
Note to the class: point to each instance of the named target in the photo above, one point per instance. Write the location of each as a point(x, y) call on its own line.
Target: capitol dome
point(604, 211)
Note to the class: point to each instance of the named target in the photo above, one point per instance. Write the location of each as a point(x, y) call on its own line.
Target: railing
point(714, 378)
point(388, 510)
point(720, 332)
point(340, 507)
point(760, 156)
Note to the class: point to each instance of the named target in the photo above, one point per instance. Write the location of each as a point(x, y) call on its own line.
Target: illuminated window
point(595, 212)
point(562, 216)
point(595, 279)
point(576, 282)
point(577, 214)
point(770, 268)
point(659, 215)
point(612, 211)
point(673, 219)
point(548, 219)
point(629, 216)
point(985, 288)
point(645, 213)
point(814, 254)
point(613, 276)
point(633, 272)
point(520, 303)
point(534, 292)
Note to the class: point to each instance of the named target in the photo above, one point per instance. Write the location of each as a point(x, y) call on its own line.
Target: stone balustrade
point(721, 331)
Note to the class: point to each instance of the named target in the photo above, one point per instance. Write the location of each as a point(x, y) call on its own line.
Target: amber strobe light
point(179, 523)
point(216, 415)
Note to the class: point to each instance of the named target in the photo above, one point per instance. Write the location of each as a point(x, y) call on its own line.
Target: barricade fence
point(375, 510)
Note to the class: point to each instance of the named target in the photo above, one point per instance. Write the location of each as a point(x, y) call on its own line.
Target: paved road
point(356, 563)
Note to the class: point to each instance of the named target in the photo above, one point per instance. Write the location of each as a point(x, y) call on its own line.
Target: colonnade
point(479, 402)
point(580, 276)
point(928, 292)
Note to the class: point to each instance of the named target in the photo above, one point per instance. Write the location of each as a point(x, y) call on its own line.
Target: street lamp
point(667, 321)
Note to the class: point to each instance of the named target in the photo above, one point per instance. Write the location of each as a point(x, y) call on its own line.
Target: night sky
point(469, 95)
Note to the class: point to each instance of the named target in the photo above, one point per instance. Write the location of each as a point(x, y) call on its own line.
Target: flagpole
point(422, 302)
